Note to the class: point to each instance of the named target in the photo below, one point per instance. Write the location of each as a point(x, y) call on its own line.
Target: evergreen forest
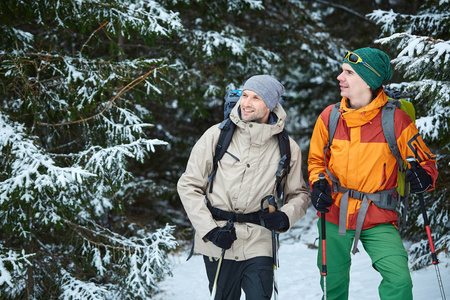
point(101, 103)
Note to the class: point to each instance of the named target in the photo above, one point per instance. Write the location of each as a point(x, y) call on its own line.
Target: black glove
point(321, 195)
point(277, 220)
point(222, 237)
point(420, 180)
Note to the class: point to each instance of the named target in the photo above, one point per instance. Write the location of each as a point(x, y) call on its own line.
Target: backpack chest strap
point(364, 198)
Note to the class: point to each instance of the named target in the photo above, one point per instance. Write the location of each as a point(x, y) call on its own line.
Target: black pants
point(254, 276)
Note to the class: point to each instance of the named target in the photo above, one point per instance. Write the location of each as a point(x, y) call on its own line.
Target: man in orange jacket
point(362, 169)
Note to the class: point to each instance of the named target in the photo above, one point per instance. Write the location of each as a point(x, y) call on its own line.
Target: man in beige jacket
point(245, 175)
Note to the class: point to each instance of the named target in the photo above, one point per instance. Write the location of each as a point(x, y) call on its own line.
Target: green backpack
point(387, 121)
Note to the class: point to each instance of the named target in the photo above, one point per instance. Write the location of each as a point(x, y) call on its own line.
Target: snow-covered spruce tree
point(70, 122)
point(423, 43)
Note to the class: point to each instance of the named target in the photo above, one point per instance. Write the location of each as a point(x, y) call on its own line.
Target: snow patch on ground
point(298, 274)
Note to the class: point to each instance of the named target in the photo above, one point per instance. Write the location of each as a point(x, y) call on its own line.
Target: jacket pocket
point(232, 155)
point(229, 159)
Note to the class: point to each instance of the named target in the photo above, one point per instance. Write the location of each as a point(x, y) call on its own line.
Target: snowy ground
point(298, 275)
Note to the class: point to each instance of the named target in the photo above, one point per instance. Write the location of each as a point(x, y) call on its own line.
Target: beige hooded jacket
point(240, 185)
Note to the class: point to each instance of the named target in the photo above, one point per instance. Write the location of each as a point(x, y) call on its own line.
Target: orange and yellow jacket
point(361, 159)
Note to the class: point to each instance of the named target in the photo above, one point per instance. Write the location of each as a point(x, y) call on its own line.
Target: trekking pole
point(414, 166)
point(324, 248)
point(228, 227)
point(273, 208)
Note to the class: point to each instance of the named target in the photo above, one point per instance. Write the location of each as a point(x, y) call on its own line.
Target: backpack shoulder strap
point(387, 122)
point(285, 147)
point(332, 123)
point(285, 161)
point(227, 128)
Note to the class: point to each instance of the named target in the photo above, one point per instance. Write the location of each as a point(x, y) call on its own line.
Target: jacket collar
point(364, 115)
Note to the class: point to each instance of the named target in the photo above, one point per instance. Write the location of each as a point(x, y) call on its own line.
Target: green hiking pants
point(388, 255)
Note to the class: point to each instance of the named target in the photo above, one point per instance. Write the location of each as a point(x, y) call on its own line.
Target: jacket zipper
point(383, 176)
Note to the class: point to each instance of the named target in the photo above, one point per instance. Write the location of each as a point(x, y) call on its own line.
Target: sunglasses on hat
point(355, 59)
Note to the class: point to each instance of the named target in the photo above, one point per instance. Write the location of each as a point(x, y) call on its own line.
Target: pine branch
point(78, 229)
point(128, 87)
point(92, 34)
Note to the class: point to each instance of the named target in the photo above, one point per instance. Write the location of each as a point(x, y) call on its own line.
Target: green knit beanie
point(376, 59)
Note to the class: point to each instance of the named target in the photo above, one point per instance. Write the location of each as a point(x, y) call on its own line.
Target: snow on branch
point(426, 61)
point(17, 263)
point(143, 258)
point(419, 53)
point(146, 17)
point(71, 121)
point(435, 121)
point(211, 40)
point(98, 159)
point(92, 76)
point(23, 39)
point(238, 5)
point(419, 253)
point(431, 125)
point(30, 167)
point(432, 21)
point(75, 289)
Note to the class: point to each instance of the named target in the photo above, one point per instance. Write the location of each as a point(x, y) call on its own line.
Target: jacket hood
point(358, 117)
point(276, 120)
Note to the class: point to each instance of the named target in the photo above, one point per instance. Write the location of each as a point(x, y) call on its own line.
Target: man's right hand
point(222, 237)
point(321, 195)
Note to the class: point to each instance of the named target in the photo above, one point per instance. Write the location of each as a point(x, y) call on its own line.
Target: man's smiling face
point(253, 108)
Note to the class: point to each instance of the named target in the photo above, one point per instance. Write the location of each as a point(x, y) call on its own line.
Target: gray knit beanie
point(267, 87)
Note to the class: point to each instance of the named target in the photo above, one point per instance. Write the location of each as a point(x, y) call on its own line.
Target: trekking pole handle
point(229, 225)
point(413, 162)
point(321, 182)
point(272, 203)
